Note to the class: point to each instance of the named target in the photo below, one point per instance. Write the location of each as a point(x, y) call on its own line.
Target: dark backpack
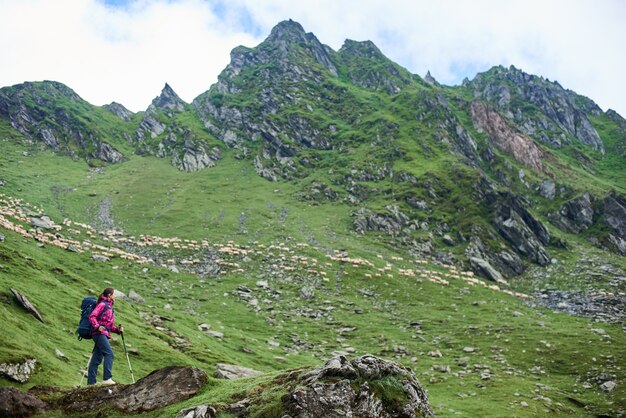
point(85, 329)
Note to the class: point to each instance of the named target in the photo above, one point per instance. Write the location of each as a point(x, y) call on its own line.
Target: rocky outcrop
point(19, 372)
point(615, 217)
point(195, 156)
point(391, 223)
point(432, 109)
point(574, 216)
point(343, 388)
point(617, 118)
point(41, 111)
point(231, 371)
point(547, 189)
point(169, 101)
point(369, 68)
point(505, 137)
point(160, 388)
point(560, 112)
point(26, 304)
point(119, 110)
point(615, 214)
point(160, 133)
point(15, 403)
point(493, 264)
point(484, 269)
point(527, 235)
point(167, 104)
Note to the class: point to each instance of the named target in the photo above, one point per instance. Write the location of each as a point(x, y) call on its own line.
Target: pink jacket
point(107, 319)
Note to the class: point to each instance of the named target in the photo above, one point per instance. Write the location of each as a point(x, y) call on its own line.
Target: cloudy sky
point(126, 50)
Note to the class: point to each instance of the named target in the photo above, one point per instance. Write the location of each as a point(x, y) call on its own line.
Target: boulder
point(526, 234)
point(615, 214)
point(201, 411)
point(574, 216)
point(135, 297)
point(486, 270)
point(160, 388)
point(43, 222)
point(15, 403)
point(20, 372)
point(229, 371)
point(342, 388)
point(547, 189)
point(100, 258)
point(23, 300)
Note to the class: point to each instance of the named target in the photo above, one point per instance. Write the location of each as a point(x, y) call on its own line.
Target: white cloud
point(127, 54)
point(110, 54)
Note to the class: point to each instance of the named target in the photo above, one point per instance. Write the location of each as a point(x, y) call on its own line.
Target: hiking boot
point(108, 382)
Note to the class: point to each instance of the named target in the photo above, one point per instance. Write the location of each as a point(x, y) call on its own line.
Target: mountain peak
point(168, 100)
point(287, 29)
point(119, 110)
point(361, 48)
point(368, 67)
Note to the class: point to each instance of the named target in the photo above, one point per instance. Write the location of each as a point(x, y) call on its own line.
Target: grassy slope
point(149, 196)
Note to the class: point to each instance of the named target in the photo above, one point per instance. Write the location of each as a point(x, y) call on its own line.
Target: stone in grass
point(469, 349)
point(608, 386)
point(215, 334)
point(19, 372)
point(201, 411)
point(23, 300)
point(135, 297)
point(230, 371)
point(60, 354)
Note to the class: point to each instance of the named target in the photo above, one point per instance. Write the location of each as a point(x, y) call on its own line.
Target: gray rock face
point(617, 118)
point(562, 110)
point(505, 137)
point(202, 411)
point(38, 110)
point(484, 269)
point(135, 297)
point(513, 228)
point(196, 157)
point(15, 403)
point(160, 388)
point(361, 58)
point(392, 223)
point(526, 234)
point(615, 214)
point(329, 391)
point(288, 57)
point(575, 216)
point(19, 372)
point(168, 100)
point(43, 222)
point(229, 371)
point(119, 110)
point(547, 189)
point(26, 304)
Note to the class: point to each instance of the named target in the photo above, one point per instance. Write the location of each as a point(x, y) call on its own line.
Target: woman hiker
point(103, 328)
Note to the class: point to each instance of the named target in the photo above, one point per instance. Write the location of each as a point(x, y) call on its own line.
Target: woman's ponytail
point(105, 293)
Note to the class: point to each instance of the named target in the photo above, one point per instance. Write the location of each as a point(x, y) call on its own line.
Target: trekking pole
point(127, 358)
point(87, 367)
